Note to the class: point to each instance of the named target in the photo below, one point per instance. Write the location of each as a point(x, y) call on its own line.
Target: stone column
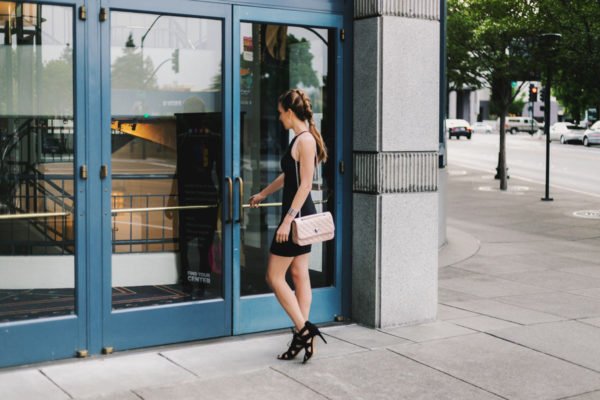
point(396, 139)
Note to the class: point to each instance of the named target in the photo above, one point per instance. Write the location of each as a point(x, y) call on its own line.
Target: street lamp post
point(548, 42)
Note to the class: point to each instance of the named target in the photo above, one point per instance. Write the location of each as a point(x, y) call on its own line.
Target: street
point(572, 166)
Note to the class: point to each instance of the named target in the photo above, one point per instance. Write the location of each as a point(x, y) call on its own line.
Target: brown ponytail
point(299, 103)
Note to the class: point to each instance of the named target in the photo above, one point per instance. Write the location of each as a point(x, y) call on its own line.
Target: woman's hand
point(170, 203)
point(256, 199)
point(283, 233)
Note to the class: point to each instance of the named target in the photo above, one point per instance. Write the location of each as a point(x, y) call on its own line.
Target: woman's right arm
point(270, 189)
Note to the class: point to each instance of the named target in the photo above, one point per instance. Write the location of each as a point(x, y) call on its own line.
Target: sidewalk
point(519, 318)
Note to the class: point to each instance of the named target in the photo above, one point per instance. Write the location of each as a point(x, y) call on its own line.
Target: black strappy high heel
point(295, 347)
point(308, 339)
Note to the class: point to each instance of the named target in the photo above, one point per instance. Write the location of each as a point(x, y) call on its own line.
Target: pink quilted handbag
point(313, 229)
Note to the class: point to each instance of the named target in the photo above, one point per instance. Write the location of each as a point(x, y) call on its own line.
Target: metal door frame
point(262, 312)
point(95, 326)
point(148, 326)
point(35, 340)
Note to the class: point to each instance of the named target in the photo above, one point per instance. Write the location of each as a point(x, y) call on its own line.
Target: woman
point(304, 151)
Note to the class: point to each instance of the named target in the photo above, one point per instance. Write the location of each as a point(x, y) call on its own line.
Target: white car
point(592, 135)
point(481, 127)
point(458, 128)
point(566, 132)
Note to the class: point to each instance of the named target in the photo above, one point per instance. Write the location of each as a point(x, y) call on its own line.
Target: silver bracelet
point(291, 212)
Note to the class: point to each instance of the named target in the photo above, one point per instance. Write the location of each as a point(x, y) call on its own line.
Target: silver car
point(592, 135)
point(481, 127)
point(566, 132)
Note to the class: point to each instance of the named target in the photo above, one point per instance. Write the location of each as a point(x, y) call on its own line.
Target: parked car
point(521, 124)
point(566, 132)
point(482, 127)
point(592, 135)
point(458, 128)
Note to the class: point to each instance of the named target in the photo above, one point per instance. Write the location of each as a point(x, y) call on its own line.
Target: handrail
point(34, 215)
point(144, 209)
point(197, 207)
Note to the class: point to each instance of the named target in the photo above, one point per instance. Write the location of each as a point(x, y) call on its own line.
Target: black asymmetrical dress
point(290, 186)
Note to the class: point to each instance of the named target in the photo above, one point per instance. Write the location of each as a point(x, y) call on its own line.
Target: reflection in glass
point(166, 135)
point(273, 59)
point(37, 204)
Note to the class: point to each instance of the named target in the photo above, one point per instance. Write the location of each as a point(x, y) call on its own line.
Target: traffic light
point(175, 61)
point(533, 93)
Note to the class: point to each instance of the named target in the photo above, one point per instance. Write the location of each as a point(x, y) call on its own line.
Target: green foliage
point(515, 108)
point(57, 79)
point(489, 44)
point(131, 70)
point(576, 63)
point(462, 67)
point(300, 56)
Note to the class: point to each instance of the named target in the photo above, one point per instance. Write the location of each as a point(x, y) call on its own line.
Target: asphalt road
point(572, 166)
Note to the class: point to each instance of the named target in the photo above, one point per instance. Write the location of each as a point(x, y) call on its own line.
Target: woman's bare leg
point(301, 278)
point(276, 279)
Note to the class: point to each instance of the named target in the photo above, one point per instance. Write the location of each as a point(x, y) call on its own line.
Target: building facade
point(133, 133)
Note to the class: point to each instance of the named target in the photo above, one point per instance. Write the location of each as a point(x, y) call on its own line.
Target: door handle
point(230, 196)
point(241, 211)
point(263, 205)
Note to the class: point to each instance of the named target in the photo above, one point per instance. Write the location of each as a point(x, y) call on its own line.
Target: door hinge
point(342, 167)
point(82, 13)
point(83, 171)
point(82, 353)
point(103, 171)
point(103, 14)
point(107, 350)
point(342, 35)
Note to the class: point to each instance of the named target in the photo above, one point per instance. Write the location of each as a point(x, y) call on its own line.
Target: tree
point(576, 79)
point(131, 70)
point(489, 44)
point(300, 56)
point(57, 88)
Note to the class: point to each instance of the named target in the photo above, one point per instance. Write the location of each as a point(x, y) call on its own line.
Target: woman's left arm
point(306, 155)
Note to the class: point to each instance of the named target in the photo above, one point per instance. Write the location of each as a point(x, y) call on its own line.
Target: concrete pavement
point(518, 318)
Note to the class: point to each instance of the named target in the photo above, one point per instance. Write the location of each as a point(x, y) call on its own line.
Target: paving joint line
point(542, 312)
point(586, 323)
point(507, 320)
point(55, 384)
point(368, 348)
point(300, 383)
point(447, 374)
point(550, 290)
point(542, 352)
point(178, 365)
point(579, 394)
point(347, 341)
point(396, 336)
point(136, 394)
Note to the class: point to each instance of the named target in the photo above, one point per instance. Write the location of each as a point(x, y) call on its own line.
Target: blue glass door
point(165, 173)
point(43, 312)
point(274, 51)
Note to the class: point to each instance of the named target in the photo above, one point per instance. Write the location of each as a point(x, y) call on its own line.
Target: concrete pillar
point(396, 139)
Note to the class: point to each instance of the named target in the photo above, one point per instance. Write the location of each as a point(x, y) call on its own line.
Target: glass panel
point(273, 59)
point(166, 135)
point(37, 204)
